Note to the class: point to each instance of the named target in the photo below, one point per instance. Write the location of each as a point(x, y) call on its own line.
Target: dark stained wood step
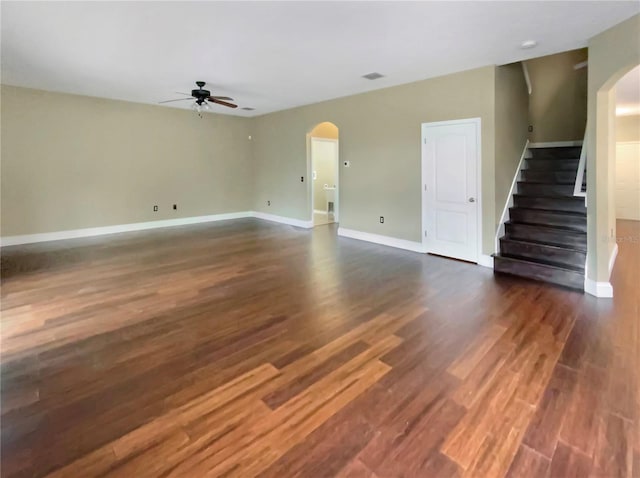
point(557, 152)
point(556, 236)
point(545, 253)
point(547, 164)
point(545, 189)
point(540, 272)
point(575, 203)
point(570, 220)
point(541, 175)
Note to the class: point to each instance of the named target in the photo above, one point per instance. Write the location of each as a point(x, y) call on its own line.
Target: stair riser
point(541, 252)
point(557, 204)
point(540, 272)
point(542, 176)
point(553, 164)
point(567, 152)
point(564, 238)
point(534, 189)
point(548, 218)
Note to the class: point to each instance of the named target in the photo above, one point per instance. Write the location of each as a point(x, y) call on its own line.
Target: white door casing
point(451, 205)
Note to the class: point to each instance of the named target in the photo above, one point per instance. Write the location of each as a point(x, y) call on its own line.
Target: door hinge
point(425, 187)
point(425, 233)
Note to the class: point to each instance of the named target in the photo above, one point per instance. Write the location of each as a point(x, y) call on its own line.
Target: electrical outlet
point(530, 128)
point(381, 219)
point(155, 208)
point(268, 203)
point(175, 207)
point(302, 179)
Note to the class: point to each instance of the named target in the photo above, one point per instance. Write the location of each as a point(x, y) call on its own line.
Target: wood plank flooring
point(247, 348)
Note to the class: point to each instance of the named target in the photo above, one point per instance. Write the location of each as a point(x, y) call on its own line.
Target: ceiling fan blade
point(212, 99)
point(179, 99)
point(181, 93)
point(226, 98)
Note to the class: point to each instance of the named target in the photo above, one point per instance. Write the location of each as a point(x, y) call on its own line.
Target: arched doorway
point(601, 178)
point(325, 171)
point(627, 151)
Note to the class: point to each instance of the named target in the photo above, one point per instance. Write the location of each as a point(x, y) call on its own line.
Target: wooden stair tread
point(541, 243)
point(543, 262)
point(533, 270)
point(548, 195)
point(559, 212)
point(548, 227)
point(550, 183)
point(543, 196)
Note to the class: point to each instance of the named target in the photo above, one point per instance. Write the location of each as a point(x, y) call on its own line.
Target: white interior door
point(450, 167)
point(628, 181)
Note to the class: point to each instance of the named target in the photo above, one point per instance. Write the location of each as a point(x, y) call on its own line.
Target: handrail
point(514, 184)
point(527, 79)
point(582, 166)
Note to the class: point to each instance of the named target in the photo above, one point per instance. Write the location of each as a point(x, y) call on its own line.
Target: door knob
point(472, 199)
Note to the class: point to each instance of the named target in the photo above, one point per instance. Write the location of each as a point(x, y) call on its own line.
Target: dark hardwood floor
point(247, 348)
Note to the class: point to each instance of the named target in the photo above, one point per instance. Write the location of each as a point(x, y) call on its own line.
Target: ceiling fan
point(204, 99)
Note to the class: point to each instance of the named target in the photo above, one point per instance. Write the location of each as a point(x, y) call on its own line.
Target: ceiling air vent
point(372, 76)
point(246, 108)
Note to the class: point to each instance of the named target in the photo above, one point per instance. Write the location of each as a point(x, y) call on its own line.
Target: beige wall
point(558, 103)
point(380, 134)
point(72, 162)
point(512, 107)
point(612, 54)
point(628, 128)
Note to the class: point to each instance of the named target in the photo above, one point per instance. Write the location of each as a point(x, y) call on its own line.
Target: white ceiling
point(628, 93)
point(277, 55)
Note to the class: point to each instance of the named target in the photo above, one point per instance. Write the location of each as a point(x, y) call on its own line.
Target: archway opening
point(609, 108)
point(627, 158)
point(325, 172)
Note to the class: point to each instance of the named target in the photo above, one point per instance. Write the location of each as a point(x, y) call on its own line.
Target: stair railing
point(582, 167)
point(509, 200)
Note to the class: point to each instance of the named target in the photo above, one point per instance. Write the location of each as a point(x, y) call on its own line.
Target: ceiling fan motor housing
point(200, 94)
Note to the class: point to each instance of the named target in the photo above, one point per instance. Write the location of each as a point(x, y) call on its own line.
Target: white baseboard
point(284, 220)
point(602, 289)
point(100, 231)
point(612, 258)
point(140, 226)
point(555, 144)
point(598, 289)
point(379, 239)
point(485, 260)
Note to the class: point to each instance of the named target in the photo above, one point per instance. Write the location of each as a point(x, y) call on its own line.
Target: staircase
point(546, 235)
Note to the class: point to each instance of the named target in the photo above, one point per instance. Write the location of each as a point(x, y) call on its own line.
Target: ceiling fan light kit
point(203, 99)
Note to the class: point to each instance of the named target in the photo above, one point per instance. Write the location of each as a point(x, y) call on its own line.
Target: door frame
point(478, 124)
point(336, 211)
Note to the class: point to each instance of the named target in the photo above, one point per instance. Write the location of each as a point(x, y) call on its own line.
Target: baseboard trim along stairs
point(545, 235)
